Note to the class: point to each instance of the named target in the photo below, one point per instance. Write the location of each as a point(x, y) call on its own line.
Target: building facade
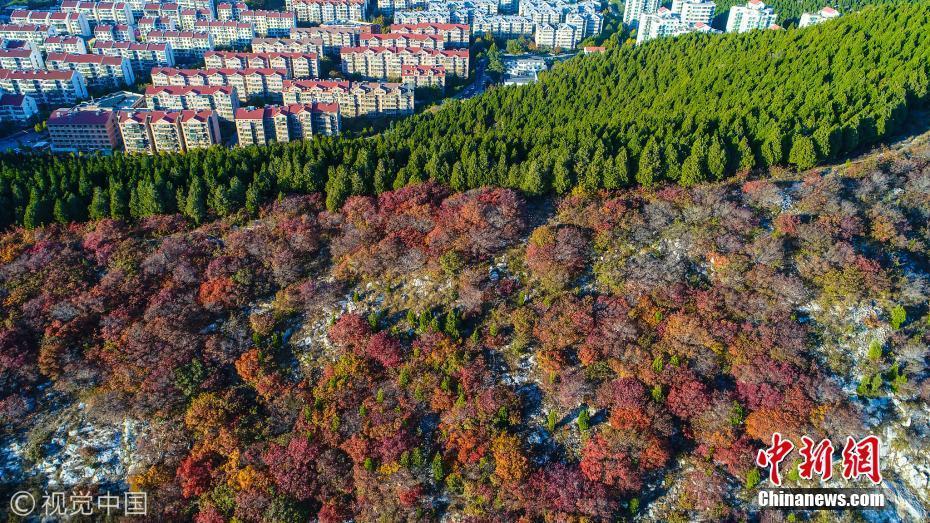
point(78, 130)
point(221, 99)
point(753, 15)
point(99, 71)
point(355, 99)
point(47, 88)
point(276, 123)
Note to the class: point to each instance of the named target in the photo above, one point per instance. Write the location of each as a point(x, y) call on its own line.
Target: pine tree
point(747, 158)
point(692, 172)
point(119, 200)
point(650, 164)
point(36, 212)
point(803, 154)
point(716, 159)
point(382, 180)
point(99, 205)
point(195, 205)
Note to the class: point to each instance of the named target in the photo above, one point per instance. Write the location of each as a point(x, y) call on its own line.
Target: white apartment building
point(101, 12)
point(565, 36)
point(298, 65)
point(331, 38)
point(221, 98)
point(17, 109)
point(64, 23)
point(227, 33)
point(355, 99)
point(503, 26)
point(99, 71)
point(261, 82)
point(453, 35)
point(147, 24)
point(429, 16)
point(270, 23)
point(753, 15)
point(230, 11)
point(114, 33)
point(809, 19)
point(693, 12)
point(35, 34)
point(402, 40)
point(634, 10)
point(64, 44)
point(169, 10)
point(146, 131)
point(664, 23)
point(185, 44)
point(385, 62)
point(190, 17)
point(199, 5)
point(276, 123)
point(286, 45)
point(589, 24)
point(142, 57)
point(418, 76)
point(320, 11)
point(26, 57)
point(47, 88)
point(388, 7)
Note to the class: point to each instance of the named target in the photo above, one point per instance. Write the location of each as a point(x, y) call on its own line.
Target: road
point(479, 84)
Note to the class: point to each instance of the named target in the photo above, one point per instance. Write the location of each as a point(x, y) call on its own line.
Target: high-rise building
point(634, 10)
point(753, 15)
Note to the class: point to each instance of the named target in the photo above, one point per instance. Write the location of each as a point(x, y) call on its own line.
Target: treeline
point(682, 110)
point(790, 11)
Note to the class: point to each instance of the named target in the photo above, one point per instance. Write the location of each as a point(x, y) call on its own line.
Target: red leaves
point(385, 350)
point(350, 332)
point(293, 467)
point(195, 473)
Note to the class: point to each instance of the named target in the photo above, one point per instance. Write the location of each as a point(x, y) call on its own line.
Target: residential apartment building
point(809, 19)
point(355, 99)
point(588, 24)
point(35, 34)
point(222, 99)
point(146, 131)
point(199, 5)
point(187, 45)
point(634, 10)
point(114, 33)
point(79, 130)
point(190, 17)
point(169, 10)
point(25, 57)
point(320, 11)
point(64, 23)
point(276, 123)
point(270, 23)
point(147, 24)
point(298, 65)
point(263, 83)
point(47, 88)
point(453, 35)
point(693, 12)
point(541, 14)
point(503, 26)
point(419, 76)
point(230, 11)
point(565, 36)
point(142, 57)
point(99, 71)
point(228, 33)
point(385, 62)
point(401, 40)
point(64, 44)
point(331, 38)
point(17, 109)
point(664, 23)
point(389, 7)
point(101, 12)
point(429, 16)
point(753, 15)
point(286, 45)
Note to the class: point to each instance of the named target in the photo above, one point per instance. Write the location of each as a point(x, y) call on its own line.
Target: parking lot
point(24, 140)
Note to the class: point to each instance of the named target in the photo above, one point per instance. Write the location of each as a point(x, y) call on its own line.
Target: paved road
point(478, 85)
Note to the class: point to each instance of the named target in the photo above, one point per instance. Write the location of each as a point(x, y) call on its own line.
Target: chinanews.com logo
point(859, 459)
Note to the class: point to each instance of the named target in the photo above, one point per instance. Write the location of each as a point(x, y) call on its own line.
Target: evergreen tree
point(803, 154)
point(99, 205)
point(195, 204)
point(692, 172)
point(650, 164)
point(716, 159)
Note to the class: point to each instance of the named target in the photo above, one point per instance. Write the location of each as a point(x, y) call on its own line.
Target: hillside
point(427, 353)
point(682, 110)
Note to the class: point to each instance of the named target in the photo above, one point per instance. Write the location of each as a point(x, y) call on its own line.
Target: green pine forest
point(685, 110)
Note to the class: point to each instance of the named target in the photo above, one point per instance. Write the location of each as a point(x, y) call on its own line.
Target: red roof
point(182, 90)
point(36, 75)
point(12, 99)
point(412, 50)
point(422, 70)
point(78, 117)
point(201, 116)
point(428, 25)
point(85, 58)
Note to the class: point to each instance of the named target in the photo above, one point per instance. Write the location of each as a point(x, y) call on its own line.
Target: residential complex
point(71, 23)
point(186, 45)
point(228, 33)
point(80, 130)
point(99, 71)
point(270, 23)
point(355, 99)
point(221, 99)
point(259, 82)
point(454, 35)
point(298, 65)
point(142, 57)
point(809, 19)
point(17, 108)
point(147, 131)
point(665, 23)
point(320, 11)
point(26, 57)
point(386, 62)
point(275, 123)
point(635, 10)
point(47, 88)
point(753, 15)
point(420, 76)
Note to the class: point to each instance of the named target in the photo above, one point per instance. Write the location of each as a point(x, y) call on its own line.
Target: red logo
point(860, 458)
